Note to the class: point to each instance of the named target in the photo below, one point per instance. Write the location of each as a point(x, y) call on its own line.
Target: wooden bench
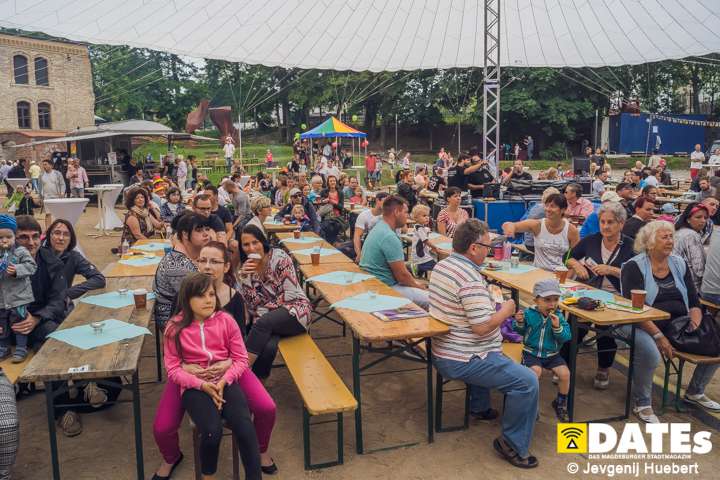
point(712, 307)
point(511, 350)
point(13, 370)
point(323, 392)
point(670, 365)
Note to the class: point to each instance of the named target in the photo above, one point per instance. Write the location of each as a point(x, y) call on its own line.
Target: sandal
point(509, 454)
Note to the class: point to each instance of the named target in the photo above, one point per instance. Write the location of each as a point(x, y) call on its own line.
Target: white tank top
point(550, 248)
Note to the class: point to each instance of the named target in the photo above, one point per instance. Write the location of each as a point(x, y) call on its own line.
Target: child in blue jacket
point(545, 330)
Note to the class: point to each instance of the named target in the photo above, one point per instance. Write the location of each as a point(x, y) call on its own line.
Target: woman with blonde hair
point(669, 287)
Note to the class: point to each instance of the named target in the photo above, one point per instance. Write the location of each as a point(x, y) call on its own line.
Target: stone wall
point(70, 91)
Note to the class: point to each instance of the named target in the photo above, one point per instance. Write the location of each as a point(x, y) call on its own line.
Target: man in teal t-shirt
point(382, 253)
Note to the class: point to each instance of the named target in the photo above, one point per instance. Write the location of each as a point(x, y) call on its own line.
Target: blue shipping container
point(629, 133)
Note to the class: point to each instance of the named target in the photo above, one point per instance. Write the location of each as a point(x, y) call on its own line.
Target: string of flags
point(685, 121)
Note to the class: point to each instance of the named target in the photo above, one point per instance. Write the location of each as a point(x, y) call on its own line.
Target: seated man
point(383, 256)
point(202, 204)
point(577, 205)
point(48, 284)
point(472, 350)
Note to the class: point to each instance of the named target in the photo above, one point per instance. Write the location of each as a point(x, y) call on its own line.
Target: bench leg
point(196, 454)
point(306, 442)
point(235, 458)
point(666, 385)
point(440, 382)
point(158, 352)
point(678, 387)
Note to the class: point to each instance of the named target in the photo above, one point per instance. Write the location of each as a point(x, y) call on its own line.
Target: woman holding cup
point(554, 235)
point(274, 299)
point(658, 278)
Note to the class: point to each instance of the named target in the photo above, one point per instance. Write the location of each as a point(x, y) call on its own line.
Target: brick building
point(46, 90)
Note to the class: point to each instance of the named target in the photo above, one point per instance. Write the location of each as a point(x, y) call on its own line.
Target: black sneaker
point(561, 410)
point(489, 414)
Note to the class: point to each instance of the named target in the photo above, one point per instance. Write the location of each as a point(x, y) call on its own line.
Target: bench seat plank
point(320, 387)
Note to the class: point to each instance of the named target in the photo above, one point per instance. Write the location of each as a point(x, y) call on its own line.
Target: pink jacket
point(213, 340)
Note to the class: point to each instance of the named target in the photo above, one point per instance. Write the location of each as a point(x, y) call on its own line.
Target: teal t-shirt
point(381, 247)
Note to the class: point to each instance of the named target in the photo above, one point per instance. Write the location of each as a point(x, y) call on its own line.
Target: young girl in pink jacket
point(202, 334)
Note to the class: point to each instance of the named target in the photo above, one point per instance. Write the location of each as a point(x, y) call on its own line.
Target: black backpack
point(333, 229)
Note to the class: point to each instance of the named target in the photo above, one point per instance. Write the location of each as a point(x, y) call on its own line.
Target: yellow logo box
point(572, 437)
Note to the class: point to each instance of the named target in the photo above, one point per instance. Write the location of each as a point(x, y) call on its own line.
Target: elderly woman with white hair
point(669, 287)
point(596, 260)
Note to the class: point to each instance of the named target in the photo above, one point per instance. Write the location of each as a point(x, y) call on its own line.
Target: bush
point(557, 152)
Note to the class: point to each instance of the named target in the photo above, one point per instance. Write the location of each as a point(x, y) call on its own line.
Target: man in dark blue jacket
point(297, 198)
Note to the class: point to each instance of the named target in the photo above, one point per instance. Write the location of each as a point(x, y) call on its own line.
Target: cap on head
point(294, 191)
point(669, 208)
point(547, 287)
point(8, 222)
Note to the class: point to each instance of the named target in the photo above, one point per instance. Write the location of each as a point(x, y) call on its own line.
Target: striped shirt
point(459, 298)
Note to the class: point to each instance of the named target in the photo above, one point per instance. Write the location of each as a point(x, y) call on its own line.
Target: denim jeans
point(647, 358)
point(420, 297)
point(518, 383)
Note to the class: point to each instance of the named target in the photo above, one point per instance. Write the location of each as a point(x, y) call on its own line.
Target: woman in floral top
point(275, 301)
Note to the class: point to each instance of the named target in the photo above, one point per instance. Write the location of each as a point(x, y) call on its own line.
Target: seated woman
point(274, 299)
point(596, 260)
point(141, 221)
point(203, 335)
point(173, 207)
point(62, 241)
point(668, 282)
point(553, 235)
point(261, 208)
point(451, 216)
point(331, 198)
point(688, 240)
point(214, 260)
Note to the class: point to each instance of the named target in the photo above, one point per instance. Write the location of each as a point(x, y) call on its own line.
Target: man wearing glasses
point(202, 204)
point(472, 350)
point(48, 284)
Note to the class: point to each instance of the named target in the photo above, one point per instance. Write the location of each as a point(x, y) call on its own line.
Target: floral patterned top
point(276, 287)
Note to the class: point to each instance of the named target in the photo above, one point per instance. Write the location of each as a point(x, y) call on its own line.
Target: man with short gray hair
point(472, 350)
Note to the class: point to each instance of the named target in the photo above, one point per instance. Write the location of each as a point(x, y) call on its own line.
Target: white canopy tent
point(385, 35)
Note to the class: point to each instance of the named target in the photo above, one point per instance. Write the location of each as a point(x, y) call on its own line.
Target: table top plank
point(54, 358)
point(525, 282)
point(119, 270)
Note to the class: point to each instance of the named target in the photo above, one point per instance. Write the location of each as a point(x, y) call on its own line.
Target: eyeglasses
point(210, 261)
point(59, 234)
point(483, 244)
point(27, 238)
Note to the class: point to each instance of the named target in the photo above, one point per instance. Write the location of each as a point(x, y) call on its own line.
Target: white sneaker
point(703, 401)
point(646, 414)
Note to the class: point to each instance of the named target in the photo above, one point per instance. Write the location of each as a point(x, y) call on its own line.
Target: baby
point(16, 268)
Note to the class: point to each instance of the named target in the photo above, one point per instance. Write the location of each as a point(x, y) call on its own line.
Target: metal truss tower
point(491, 87)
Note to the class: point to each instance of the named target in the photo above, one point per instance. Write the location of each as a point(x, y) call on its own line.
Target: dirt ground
point(394, 412)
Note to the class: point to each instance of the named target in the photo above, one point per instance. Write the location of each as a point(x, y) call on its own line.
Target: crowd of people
point(226, 293)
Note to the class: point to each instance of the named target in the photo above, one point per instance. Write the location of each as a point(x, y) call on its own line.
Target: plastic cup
point(638, 299)
point(122, 291)
point(514, 261)
point(315, 258)
point(296, 234)
point(140, 296)
point(561, 274)
point(255, 257)
point(499, 252)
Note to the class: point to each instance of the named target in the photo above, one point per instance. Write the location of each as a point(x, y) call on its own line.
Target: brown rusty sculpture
point(221, 117)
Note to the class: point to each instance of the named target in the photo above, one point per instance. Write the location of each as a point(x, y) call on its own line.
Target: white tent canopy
point(385, 35)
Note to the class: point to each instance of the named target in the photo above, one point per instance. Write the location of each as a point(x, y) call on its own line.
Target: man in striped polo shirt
point(472, 351)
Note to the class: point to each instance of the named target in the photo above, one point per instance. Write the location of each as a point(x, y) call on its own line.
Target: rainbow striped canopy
point(332, 127)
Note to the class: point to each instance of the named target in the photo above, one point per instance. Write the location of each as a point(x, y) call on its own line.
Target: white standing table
point(17, 182)
point(107, 196)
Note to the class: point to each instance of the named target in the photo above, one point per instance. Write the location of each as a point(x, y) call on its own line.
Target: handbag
point(704, 340)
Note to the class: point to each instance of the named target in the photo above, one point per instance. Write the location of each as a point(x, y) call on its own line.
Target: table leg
point(356, 392)
point(573, 365)
point(631, 363)
point(138, 427)
point(51, 430)
point(428, 354)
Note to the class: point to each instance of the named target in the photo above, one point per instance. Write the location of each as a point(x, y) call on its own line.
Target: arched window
point(23, 114)
point(20, 67)
point(44, 115)
point(41, 72)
